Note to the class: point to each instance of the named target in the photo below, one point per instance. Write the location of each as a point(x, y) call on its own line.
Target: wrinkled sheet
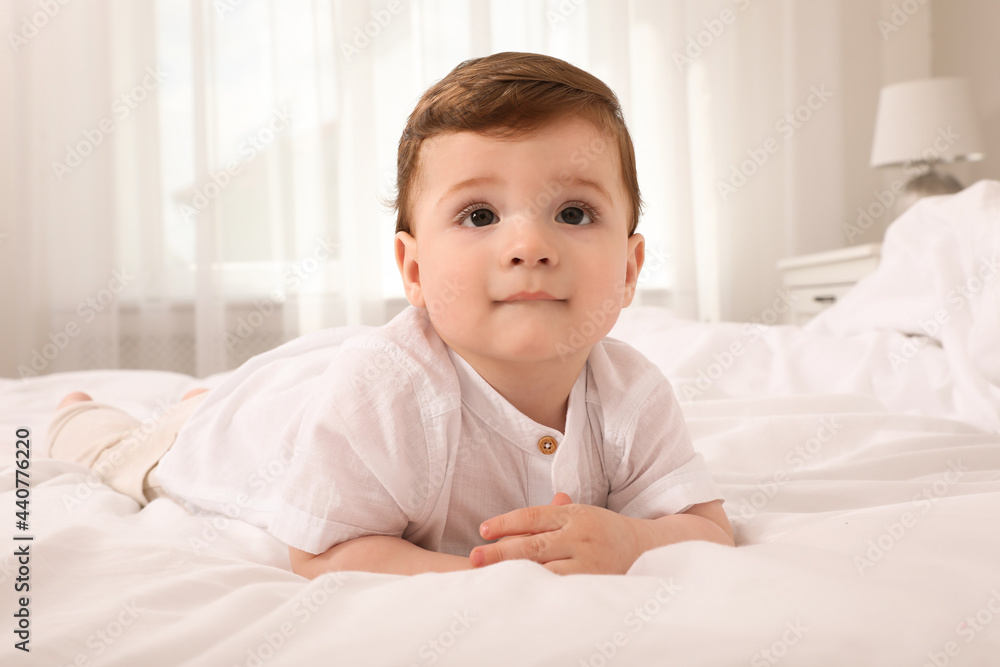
point(938, 280)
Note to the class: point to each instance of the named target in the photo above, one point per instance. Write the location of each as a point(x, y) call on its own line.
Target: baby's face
point(521, 250)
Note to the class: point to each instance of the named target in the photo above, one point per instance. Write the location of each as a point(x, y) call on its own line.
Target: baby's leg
point(122, 451)
point(82, 429)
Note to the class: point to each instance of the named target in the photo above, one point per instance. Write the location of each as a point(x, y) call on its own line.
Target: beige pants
point(122, 451)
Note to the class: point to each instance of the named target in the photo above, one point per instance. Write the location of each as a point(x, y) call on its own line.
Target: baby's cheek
point(444, 295)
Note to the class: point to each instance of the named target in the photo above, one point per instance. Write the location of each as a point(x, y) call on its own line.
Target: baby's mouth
point(530, 296)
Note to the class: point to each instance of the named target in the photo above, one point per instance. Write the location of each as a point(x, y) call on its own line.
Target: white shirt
point(399, 436)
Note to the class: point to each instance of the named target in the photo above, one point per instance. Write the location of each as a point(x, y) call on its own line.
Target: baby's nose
point(530, 243)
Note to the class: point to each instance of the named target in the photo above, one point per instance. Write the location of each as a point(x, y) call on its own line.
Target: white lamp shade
point(929, 120)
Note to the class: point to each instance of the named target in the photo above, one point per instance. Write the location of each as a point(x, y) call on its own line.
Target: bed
point(859, 457)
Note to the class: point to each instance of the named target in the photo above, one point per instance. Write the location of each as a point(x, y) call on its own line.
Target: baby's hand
point(565, 538)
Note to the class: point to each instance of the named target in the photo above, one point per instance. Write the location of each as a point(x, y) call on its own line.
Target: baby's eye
point(480, 218)
point(574, 215)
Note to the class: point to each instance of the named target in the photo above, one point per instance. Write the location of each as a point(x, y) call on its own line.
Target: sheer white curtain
point(191, 182)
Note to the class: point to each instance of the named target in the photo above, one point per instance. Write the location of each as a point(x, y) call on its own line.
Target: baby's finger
point(540, 548)
point(511, 537)
point(534, 519)
point(561, 499)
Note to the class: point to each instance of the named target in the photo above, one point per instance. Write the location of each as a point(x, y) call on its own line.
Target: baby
point(491, 420)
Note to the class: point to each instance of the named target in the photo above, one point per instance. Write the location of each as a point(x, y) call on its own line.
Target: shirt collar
point(509, 422)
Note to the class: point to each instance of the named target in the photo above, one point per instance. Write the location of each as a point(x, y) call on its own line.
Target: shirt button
point(547, 445)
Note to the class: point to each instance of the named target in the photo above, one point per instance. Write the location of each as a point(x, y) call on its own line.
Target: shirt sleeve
point(361, 462)
point(659, 473)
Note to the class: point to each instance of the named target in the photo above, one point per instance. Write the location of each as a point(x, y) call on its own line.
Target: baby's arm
point(707, 522)
point(375, 553)
point(571, 539)
point(382, 553)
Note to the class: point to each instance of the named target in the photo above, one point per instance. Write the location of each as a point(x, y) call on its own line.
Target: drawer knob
point(825, 298)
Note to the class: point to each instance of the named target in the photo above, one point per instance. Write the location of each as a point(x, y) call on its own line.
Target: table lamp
point(920, 124)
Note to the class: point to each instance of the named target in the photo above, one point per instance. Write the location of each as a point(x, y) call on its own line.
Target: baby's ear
point(409, 268)
point(636, 256)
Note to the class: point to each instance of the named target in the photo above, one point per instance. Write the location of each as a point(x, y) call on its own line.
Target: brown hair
point(510, 95)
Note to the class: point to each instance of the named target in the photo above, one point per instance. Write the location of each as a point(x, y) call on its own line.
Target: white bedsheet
point(864, 490)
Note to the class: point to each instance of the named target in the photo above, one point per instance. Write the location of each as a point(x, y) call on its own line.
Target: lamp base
point(928, 184)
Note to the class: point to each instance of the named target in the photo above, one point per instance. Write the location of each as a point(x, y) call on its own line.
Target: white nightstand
point(815, 282)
